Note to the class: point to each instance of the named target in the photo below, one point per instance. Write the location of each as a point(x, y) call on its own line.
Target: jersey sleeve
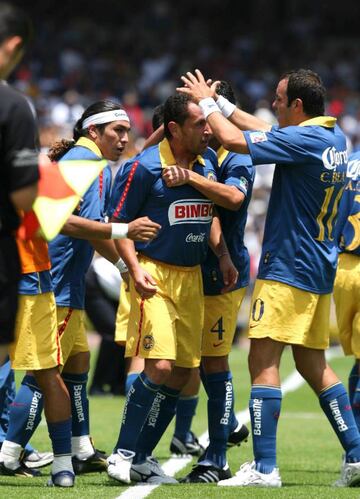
point(281, 145)
point(131, 188)
point(20, 143)
point(91, 204)
point(240, 176)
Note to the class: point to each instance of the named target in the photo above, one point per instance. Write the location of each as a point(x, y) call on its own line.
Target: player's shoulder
point(210, 156)
point(11, 99)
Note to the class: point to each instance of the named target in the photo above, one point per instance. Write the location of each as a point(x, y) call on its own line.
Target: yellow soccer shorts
point(122, 315)
point(71, 330)
point(347, 303)
point(289, 315)
point(220, 316)
point(36, 343)
point(168, 325)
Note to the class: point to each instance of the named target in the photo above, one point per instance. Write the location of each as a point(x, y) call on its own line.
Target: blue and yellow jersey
point(348, 224)
point(70, 257)
point(237, 170)
point(311, 160)
point(184, 214)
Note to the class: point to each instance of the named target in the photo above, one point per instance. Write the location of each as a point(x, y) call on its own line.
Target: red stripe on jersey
point(126, 190)
point(141, 320)
point(65, 323)
point(101, 183)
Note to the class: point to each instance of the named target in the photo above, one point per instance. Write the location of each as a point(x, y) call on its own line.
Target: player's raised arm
point(230, 136)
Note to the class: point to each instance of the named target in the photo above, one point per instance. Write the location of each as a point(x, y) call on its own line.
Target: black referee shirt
point(18, 154)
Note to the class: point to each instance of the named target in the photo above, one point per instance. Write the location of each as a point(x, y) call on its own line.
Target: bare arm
point(143, 281)
point(227, 196)
point(218, 244)
point(154, 138)
point(24, 198)
point(107, 249)
point(141, 229)
point(229, 135)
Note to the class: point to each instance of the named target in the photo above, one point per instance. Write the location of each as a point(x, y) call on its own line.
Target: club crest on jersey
point(148, 342)
point(211, 176)
point(190, 211)
point(332, 158)
point(256, 137)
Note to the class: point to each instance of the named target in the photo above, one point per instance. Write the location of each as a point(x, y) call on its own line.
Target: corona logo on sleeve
point(190, 211)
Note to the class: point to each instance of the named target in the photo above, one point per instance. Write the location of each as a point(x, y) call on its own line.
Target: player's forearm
point(216, 240)
point(126, 250)
point(246, 121)
point(227, 196)
point(83, 228)
point(227, 134)
point(154, 138)
point(107, 249)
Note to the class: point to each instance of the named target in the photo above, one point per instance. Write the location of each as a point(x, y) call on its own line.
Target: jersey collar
point(325, 121)
point(167, 157)
point(89, 144)
point(221, 155)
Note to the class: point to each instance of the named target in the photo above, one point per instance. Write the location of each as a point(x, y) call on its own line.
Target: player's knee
point(215, 364)
point(158, 370)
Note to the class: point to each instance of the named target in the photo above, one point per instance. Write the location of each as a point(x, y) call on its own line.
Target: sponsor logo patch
point(244, 184)
point(332, 158)
point(256, 137)
point(185, 211)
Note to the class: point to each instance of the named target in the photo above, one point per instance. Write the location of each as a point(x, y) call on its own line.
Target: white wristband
point(208, 106)
point(119, 231)
point(226, 107)
point(121, 266)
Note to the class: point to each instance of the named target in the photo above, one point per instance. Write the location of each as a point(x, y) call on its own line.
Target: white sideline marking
point(175, 464)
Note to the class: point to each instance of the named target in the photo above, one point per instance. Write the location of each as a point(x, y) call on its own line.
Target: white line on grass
point(293, 382)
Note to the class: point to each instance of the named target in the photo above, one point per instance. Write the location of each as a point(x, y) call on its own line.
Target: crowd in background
point(136, 51)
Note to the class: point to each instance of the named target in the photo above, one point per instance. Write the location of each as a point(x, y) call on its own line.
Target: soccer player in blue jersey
point(232, 194)
point(166, 311)
point(291, 300)
point(347, 282)
point(101, 132)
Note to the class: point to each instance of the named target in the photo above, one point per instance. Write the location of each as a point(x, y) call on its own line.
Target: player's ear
point(92, 132)
point(174, 129)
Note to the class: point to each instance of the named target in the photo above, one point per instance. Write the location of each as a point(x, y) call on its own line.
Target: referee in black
point(18, 163)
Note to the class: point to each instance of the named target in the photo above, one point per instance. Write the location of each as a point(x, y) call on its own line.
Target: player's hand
point(143, 229)
point(174, 176)
point(196, 87)
point(144, 283)
point(229, 273)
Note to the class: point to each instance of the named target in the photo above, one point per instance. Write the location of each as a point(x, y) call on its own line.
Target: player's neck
point(182, 156)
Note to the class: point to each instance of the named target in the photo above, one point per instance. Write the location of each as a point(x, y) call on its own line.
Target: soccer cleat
point(63, 478)
point(350, 475)
point(191, 446)
point(34, 459)
point(21, 471)
point(202, 473)
point(150, 471)
point(248, 476)
point(119, 465)
point(237, 436)
point(96, 462)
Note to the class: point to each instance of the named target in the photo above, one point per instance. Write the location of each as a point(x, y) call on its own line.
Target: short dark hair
point(225, 89)
point(14, 22)
point(158, 117)
point(175, 109)
point(306, 85)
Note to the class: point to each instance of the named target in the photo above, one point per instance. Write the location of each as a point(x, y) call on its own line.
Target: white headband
point(106, 117)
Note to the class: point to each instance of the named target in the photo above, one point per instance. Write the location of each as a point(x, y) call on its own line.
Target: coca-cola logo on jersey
point(195, 238)
point(190, 211)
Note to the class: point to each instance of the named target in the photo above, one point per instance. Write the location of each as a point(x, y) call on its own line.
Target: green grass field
point(309, 455)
